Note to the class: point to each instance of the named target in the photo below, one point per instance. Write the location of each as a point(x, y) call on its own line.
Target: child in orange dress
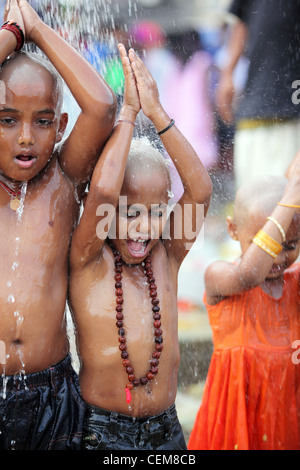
point(252, 391)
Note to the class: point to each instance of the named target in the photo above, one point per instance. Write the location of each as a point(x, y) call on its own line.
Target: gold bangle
point(267, 243)
point(264, 247)
point(264, 237)
point(288, 205)
point(279, 227)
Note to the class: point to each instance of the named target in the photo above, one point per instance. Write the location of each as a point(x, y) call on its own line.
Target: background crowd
point(188, 48)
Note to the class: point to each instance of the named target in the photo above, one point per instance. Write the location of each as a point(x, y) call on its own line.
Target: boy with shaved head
point(40, 406)
point(251, 399)
point(123, 287)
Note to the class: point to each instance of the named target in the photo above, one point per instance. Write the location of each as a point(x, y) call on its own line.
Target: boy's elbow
point(205, 194)
point(105, 194)
point(105, 108)
point(208, 189)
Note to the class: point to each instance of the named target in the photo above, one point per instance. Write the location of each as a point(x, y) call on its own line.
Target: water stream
point(12, 294)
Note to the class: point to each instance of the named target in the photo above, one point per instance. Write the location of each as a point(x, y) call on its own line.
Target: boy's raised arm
point(292, 167)
point(81, 150)
point(195, 179)
point(8, 40)
point(106, 183)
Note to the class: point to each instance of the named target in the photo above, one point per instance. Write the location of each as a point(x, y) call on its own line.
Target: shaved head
point(258, 196)
point(21, 65)
point(145, 161)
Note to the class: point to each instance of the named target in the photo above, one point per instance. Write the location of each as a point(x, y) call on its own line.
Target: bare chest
point(38, 234)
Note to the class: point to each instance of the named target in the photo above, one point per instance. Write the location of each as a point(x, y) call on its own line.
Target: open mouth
point(25, 161)
point(138, 248)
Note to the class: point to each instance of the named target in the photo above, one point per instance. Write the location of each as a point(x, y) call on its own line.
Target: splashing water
point(5, 379)
point(11, 297)
point(22, 199)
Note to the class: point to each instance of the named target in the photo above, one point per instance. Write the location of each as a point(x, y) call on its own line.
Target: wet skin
point(103, 377)
point(33, 326)
point(140, 175)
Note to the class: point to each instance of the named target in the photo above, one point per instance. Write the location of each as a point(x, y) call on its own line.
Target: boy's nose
point(144, 224)
point(26, 135)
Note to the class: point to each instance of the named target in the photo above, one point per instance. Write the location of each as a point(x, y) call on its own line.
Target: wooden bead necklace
point(158, 339)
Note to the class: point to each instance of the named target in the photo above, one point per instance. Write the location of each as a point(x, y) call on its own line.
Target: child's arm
point(225, 90)
point(107, 179)
point(195, 179)
point(293, 165)
point(81, 150)
point(8, 40)
point(223, 279)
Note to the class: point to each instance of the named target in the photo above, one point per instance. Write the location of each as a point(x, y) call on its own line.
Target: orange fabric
point(251, 398)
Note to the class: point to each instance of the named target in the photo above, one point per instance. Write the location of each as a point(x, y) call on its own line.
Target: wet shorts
point(42, 411)
point(106, 430)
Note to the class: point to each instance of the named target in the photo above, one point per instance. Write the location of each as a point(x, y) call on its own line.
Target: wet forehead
point(146, 188)
point(28, 80)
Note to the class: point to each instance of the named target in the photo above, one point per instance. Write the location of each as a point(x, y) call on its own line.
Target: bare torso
point(33, 281)
point(103, 378)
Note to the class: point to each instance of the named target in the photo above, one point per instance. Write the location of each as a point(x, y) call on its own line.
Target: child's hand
point(131, 95)
point(292, 191)
point(146, 85)
point(293, 165)
point(30, 18)
point(13, 12)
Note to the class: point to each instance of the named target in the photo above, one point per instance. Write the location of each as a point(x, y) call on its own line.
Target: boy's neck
point(11, 184)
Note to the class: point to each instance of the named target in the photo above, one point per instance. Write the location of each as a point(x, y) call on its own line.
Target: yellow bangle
point(288, 205)
point(267, 243)
point(279, 227)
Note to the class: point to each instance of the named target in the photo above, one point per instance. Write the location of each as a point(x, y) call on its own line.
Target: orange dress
point(251, 398)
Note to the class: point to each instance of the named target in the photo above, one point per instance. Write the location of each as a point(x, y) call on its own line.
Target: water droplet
point(10, 299)
point(22, 199)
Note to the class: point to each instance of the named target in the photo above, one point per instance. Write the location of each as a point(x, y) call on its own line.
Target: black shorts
point(107, 430)
point(42, 411)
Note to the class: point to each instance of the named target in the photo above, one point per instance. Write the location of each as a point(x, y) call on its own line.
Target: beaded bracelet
point(279, 227)
point(167, 128)
point(14, 28)
point(267, 243)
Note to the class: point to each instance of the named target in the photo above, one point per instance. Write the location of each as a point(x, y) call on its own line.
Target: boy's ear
point(231, 228)
point(63, 122)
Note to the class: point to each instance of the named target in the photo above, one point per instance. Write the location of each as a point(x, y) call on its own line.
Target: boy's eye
point(44, 122)
point(157, 214)
point(7, 121)
point(289, 247)
point(131, 215)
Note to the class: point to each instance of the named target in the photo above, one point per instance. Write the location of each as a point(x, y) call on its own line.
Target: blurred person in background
point(267, 121)
point(178, 62)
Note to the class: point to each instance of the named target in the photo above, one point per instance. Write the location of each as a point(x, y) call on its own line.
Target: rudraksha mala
point(158, 339)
